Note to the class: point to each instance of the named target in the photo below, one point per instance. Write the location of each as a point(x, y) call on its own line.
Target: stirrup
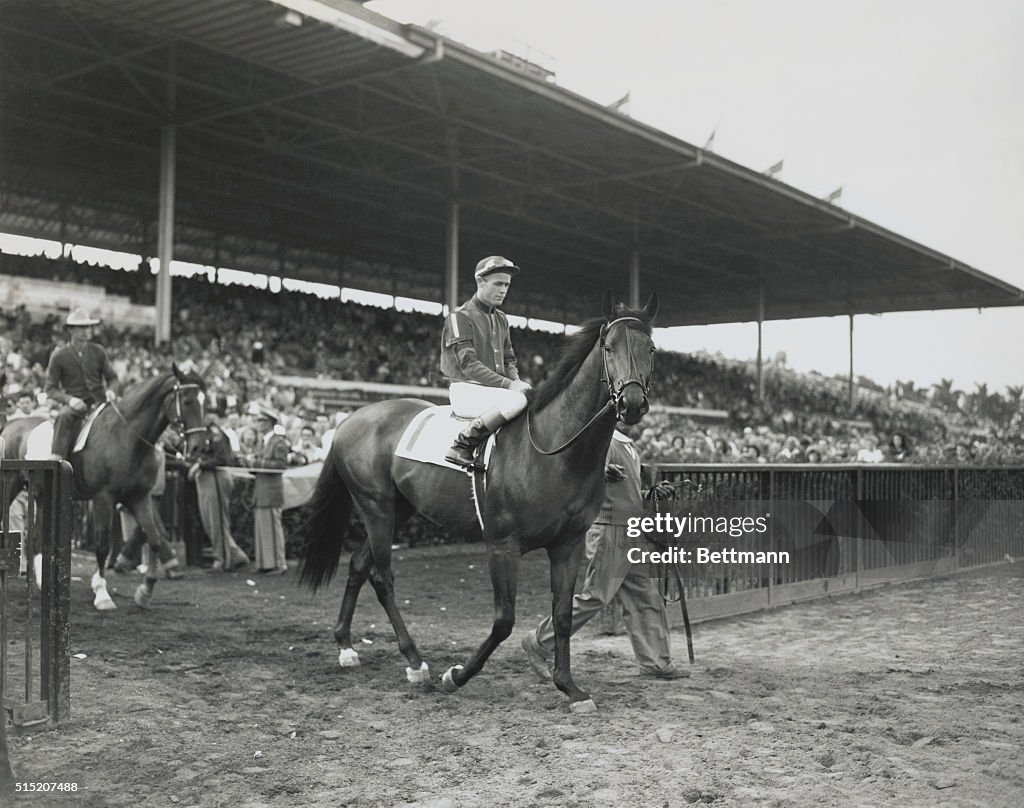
point(457, 458)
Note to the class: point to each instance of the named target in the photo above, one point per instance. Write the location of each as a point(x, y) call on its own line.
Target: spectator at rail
point(248, 444)
point(26, 406)
point(898, 448)
point(869, 451)
point(213, 490)
point(307, 449)
point(268, 492)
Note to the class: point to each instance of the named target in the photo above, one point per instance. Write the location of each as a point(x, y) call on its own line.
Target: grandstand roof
point(317, 139)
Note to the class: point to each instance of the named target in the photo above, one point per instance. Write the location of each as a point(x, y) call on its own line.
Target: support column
point(451, 269)
point(760, 342)
point(849, 389)
point(165, 234)
point(634, 279)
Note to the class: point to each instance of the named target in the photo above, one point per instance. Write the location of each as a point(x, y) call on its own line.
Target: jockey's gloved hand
point(662, 490)
point(613, 472)
point(77, 404)
point(519, 386)
point(111, 396)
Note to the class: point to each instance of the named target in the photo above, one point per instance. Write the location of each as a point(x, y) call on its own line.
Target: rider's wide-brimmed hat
point(494, 263)
point(79, 318)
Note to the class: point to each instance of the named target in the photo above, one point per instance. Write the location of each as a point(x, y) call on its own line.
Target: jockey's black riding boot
point(64, 430)
point(462, 450)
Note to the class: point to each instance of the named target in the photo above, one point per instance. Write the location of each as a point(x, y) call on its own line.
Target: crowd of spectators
point(241, 338)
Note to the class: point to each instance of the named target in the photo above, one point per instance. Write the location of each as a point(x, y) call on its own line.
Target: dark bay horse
point(545, 485)
point(118, 463)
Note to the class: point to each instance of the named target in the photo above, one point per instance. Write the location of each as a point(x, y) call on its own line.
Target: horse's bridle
point(615, 392)
point(178, 421)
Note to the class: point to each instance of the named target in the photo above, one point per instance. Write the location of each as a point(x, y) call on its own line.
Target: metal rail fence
point(35, 662)
point(843, 528)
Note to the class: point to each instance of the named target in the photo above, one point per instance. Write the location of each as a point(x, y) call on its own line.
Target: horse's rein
point(614, 396)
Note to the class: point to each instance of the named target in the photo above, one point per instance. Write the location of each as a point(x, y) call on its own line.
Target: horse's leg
point(504, 567)
point(380, 516)
point(102, 519)
point(565, 563)
point(358, 572)
point(142, 510)
point(383, 580)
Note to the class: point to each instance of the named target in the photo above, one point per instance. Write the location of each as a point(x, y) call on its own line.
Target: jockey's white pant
point(473, 400)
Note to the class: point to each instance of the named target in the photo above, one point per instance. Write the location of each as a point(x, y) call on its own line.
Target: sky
point(914, 107)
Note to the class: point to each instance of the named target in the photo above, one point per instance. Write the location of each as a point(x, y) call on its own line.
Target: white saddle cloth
point(39, 445)
point(431, 433)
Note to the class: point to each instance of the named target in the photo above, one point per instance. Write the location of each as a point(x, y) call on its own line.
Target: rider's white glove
point(111, 396)
point(77, 404)
point(519, 385)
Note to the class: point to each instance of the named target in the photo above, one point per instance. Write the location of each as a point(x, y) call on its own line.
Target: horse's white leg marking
point(447, 682)
point(348, 658)
point(418, 677)
point(143, 596)
point(102, 601)
point(585, 706)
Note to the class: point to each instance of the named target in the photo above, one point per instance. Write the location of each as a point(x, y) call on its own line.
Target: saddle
point(429, 435)
point(40, 439)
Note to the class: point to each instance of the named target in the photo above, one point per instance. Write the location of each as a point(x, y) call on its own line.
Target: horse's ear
point(651, 306)
point(176, 370)
point(607, 307)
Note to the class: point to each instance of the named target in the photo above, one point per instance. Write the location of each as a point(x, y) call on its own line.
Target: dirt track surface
point(228, 694)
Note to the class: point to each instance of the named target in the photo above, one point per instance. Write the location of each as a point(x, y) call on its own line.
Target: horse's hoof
point(348, 658)
point(102, 602)
point(171, 571)
point(143, 597)
point(447, 682)
point(584, 706)
point(418, 677)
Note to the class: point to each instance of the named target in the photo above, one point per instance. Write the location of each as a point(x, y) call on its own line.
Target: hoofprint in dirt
point(907, 695)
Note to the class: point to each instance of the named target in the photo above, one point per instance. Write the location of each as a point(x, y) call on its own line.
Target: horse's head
point(184, 409)
point(628, 350)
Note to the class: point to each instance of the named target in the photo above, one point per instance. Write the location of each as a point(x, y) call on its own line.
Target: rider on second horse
point(79, 376)
point(477, 356)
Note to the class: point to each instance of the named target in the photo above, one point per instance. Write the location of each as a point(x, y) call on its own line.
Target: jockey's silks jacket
point(74, 373)
point(476, 347)
point(624, 498)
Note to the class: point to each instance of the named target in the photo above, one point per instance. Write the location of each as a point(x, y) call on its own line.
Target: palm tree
point(943, 395)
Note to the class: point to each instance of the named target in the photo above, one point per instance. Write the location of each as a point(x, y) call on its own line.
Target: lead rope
point(663, 587)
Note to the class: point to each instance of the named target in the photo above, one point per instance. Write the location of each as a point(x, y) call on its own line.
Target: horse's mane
point(577, 350)
point(147, 393)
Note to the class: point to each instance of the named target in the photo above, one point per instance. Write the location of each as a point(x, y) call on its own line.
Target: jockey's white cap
point(79, 317)
point(494, 263)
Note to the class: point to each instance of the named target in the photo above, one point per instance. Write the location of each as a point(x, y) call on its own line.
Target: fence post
point(956, 520)
point(55, 615)
point(773, 545)
point(858, 488)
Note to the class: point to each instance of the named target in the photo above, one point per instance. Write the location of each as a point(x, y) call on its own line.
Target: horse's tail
point(327, 515)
